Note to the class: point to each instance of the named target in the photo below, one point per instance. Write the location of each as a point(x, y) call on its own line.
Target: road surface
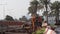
point(14, 33)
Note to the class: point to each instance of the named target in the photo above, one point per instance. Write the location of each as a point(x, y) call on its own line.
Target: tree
point(16, 19)
point(55, 6)
point(46, 3)
point(23, 19)
point(9, 18)
point(34, 7)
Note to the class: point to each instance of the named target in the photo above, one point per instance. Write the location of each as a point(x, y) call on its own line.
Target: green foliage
point(23, 18)
point(34, 7)
point(55, 5)
point(39, 31)
point(34, 2)
point(9, 18)
point(45, 1)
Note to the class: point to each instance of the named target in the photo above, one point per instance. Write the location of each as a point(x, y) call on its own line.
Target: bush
point(39, 31)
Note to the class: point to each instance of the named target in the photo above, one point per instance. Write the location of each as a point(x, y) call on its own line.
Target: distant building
point(10, 25)
point(51, 17)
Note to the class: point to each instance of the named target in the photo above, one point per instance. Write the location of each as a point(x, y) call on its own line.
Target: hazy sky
point(14, 8)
